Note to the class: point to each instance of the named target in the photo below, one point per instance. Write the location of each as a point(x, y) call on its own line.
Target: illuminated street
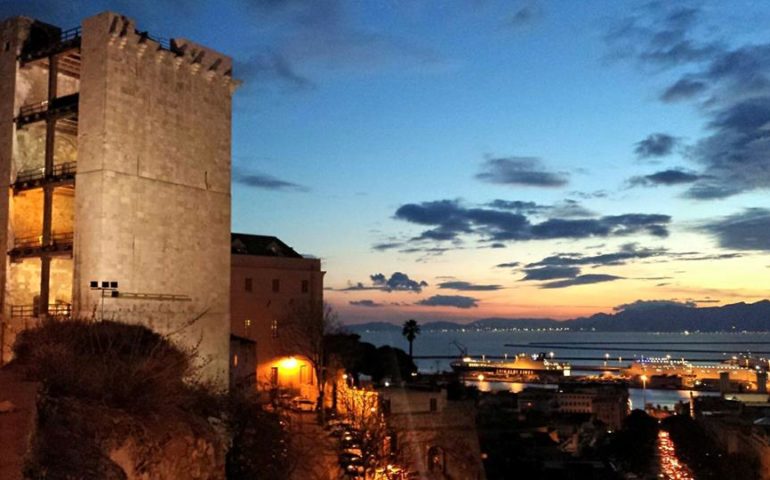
point(671, 468)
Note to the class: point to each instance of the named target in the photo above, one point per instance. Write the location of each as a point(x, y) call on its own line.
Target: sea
point(579, 348)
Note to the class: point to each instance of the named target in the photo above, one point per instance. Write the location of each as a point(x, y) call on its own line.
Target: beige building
point(271, 285)
point(433, 436)
point(115, 153)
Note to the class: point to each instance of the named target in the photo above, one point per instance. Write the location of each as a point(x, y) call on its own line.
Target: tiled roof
point(260, 245)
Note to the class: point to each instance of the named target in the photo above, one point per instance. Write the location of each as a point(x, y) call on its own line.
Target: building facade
point(273, 286)
point(115, 153)
point(432, 435)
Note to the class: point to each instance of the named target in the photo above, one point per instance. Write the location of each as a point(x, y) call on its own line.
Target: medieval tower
point(115, 157)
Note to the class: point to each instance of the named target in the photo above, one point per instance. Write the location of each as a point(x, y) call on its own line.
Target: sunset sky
point(469, 159)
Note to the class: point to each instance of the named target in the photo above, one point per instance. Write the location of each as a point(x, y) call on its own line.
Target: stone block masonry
point(153, 185)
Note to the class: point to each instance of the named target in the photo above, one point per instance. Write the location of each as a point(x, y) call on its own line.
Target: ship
point(522, 368)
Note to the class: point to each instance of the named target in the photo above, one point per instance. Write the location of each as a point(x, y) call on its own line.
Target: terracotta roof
point(261, 245)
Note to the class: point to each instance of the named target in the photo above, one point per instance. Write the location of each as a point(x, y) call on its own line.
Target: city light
point(671, 468)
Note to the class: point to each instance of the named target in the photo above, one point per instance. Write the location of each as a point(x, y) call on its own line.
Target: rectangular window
point(247, 323)
point(305, 286)
point(274, 328)
point(276, 285)
point(247, 285)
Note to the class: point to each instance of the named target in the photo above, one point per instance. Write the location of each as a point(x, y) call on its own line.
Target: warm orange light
point(289, 363)
point(480, 377)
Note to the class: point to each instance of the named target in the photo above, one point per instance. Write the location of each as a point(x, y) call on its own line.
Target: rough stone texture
point(13, 32)
point(153, 186)
point(16, 427)
point(448, 431)
point(181, 456)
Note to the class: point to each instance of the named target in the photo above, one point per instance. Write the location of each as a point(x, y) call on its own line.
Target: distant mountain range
point(741, 316)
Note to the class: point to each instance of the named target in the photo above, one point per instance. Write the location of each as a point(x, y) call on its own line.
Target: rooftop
point(261, 245)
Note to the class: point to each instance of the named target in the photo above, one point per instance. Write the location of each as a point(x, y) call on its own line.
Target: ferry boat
point(691, 374)
point(522, 368)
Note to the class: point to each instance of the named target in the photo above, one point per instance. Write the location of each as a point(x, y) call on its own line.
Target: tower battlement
point(115, 148)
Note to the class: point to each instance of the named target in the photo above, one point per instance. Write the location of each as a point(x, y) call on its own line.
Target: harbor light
point(480, 377)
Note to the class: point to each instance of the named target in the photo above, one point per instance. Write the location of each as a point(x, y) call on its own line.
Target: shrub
point(108, 363)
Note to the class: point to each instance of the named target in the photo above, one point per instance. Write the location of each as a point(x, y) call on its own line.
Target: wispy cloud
point(581, 280)
point(456, 301)
point(745, 230)
point(265, 181)
point(522, 171)
point(467, 286)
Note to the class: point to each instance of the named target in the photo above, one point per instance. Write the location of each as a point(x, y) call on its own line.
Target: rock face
point(17, 421)
point(89, 442)
point(180, 457)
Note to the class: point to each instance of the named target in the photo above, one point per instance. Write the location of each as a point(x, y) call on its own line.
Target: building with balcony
point(115, 152)
point(271, 286)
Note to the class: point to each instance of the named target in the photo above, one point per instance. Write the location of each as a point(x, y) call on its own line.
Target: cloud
point(386, 246)
point(264, 181)
point(653, 304)
point(366, 303)
point(525, 16)
point(735, 156)
point(625, 254)
point(449, 219)
point(613, 225)
point(517, 206)
point(297, 37)
point(508, 265)
point(457, 301)
point(271, 66)
point(468, 287)
point(581, 280)
point(730, 82)
point(683, 89)
point(746, 230)
point(550, 273)
point(656, 145)
point(397, 282)
point(672, 176)
point(526, 171)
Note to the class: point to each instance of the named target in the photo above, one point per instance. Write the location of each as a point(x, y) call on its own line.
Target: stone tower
point(115, 150)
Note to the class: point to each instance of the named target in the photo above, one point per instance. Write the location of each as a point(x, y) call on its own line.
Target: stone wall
point(153, 185)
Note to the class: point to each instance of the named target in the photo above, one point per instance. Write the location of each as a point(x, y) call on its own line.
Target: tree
point(410, 331)
point(304, 333)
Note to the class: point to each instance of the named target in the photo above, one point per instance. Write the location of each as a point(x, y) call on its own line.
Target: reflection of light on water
point(671, 468)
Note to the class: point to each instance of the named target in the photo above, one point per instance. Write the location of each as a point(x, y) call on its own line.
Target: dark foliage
point(107, 363)
point(260, 446)
point(634, 444)
point(359, 357)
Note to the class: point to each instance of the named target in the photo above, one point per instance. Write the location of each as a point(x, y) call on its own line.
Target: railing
point(70, 34)
point(164, 42)
point(45, 46)
point(33, 109)
point(59, 171)
point(57, 240)
point(31, 311)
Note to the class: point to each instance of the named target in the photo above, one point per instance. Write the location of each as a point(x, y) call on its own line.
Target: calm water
point(629, 344)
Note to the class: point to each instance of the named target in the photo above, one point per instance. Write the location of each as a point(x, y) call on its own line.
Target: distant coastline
point(737, 317)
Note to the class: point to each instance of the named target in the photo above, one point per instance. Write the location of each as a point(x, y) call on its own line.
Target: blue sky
point(378, 135)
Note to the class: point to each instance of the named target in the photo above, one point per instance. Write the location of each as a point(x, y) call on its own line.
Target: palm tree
point(410, 331)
